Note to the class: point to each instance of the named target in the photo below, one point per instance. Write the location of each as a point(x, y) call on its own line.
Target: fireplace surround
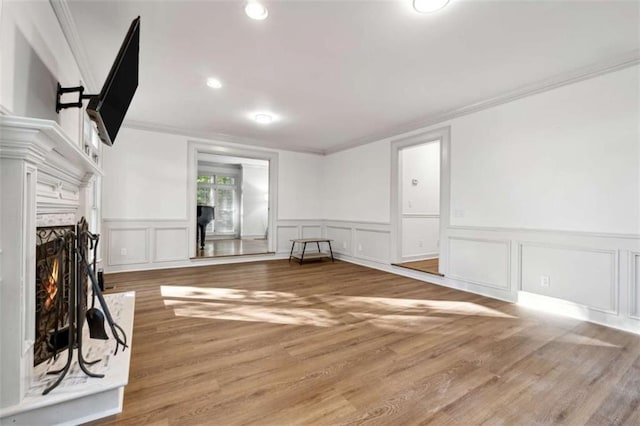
point(46, 179)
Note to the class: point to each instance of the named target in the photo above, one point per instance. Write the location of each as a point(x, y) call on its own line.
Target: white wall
point(420, 200)
point(547, 185)
point(34, 57)
point(255, 205)
point(566, 159)
point(356, 184)
point(145, 198)
point(145, 176)
point(300, 182)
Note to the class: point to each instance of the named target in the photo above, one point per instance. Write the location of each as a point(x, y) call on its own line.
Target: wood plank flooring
point(273, 343)
point(232, 247)
point(429, 265)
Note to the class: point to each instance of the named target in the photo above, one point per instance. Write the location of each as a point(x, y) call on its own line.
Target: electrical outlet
point(545, 280)
point(344, 245)
point(420, 243)
point(359, 247)
point(123, 252)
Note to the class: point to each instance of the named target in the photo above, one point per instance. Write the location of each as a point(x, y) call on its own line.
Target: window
point(220, 192)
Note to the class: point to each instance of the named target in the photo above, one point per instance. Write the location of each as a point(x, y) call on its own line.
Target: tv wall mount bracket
point(81, 96)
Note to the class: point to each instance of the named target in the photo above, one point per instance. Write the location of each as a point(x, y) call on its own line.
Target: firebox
point(55, 273)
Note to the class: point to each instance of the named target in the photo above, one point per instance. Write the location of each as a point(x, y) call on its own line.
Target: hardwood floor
point(428, 265)
point(273, 343)
point(233, 247)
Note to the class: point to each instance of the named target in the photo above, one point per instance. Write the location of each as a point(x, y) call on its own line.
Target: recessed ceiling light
point(255, 10)
point(214, 83)
point(428, 6)
point(263, 118)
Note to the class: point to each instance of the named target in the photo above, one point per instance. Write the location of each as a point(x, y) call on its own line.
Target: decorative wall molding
point(156, 244)
point(216, 137)
point(420, 216)
point(70, 31)
point(354, 222)
point(111, 261)
point(555, 232)
point(584, 73)
point(634, 283)
point(614, 273)
point(442, 134)
point(507, 260)
point(142, 220)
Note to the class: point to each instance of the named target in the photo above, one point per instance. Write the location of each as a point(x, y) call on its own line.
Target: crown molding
point(68, 26)
point(70, 31)
point(214, 136)
point(584, 73)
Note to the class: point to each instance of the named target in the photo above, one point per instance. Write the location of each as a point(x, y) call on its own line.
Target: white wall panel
point(634, 285)
point(300, 186)
point(311, 231)
point(420, 179)
point(566, 159)
point(128, 246)
point(357, 184)
point(146, 176)
point(285, 234)
point(170, 244)
point(342, 239)
point(255, 204)
point(420, 236)
point(372, 245)
point(480, 261)
point(581, 275)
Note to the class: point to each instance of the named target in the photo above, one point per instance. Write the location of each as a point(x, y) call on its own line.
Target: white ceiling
point(339, 73)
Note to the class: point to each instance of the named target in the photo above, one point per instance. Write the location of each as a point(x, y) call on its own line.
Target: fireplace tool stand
point(80, 243)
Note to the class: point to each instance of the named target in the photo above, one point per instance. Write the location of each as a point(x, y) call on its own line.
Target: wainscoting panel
point(127, 246)
point(558, 272)
point(342, 239)
point(286, 233)
point(311, 231)
point(420, 237)
point(171, 244)
point(373, 245)
point(484, 262)
point(634, 285)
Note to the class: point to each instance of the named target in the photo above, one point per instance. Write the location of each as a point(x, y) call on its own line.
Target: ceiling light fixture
point(429, 6)
point(255, 10)
point(214, 83)
point(263, 118)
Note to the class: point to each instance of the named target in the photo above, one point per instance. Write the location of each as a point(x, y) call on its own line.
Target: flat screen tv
point(109, 107)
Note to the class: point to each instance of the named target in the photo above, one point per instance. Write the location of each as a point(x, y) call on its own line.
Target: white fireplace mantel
point(43, 172)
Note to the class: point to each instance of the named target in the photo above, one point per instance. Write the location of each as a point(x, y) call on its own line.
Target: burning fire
point(50, 285)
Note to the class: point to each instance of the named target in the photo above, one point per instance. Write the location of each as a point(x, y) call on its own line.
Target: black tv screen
point(109, 107)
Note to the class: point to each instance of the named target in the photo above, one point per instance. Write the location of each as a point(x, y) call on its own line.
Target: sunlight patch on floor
point(450, 307)
point(406, 315)
point(218, 293)
point(253, 313)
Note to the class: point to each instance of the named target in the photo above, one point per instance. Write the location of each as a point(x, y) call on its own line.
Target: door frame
point(224, 148)
point(442, 134)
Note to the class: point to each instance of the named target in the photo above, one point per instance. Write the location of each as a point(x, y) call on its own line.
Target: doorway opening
point(420, 201)
point(232, 202)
